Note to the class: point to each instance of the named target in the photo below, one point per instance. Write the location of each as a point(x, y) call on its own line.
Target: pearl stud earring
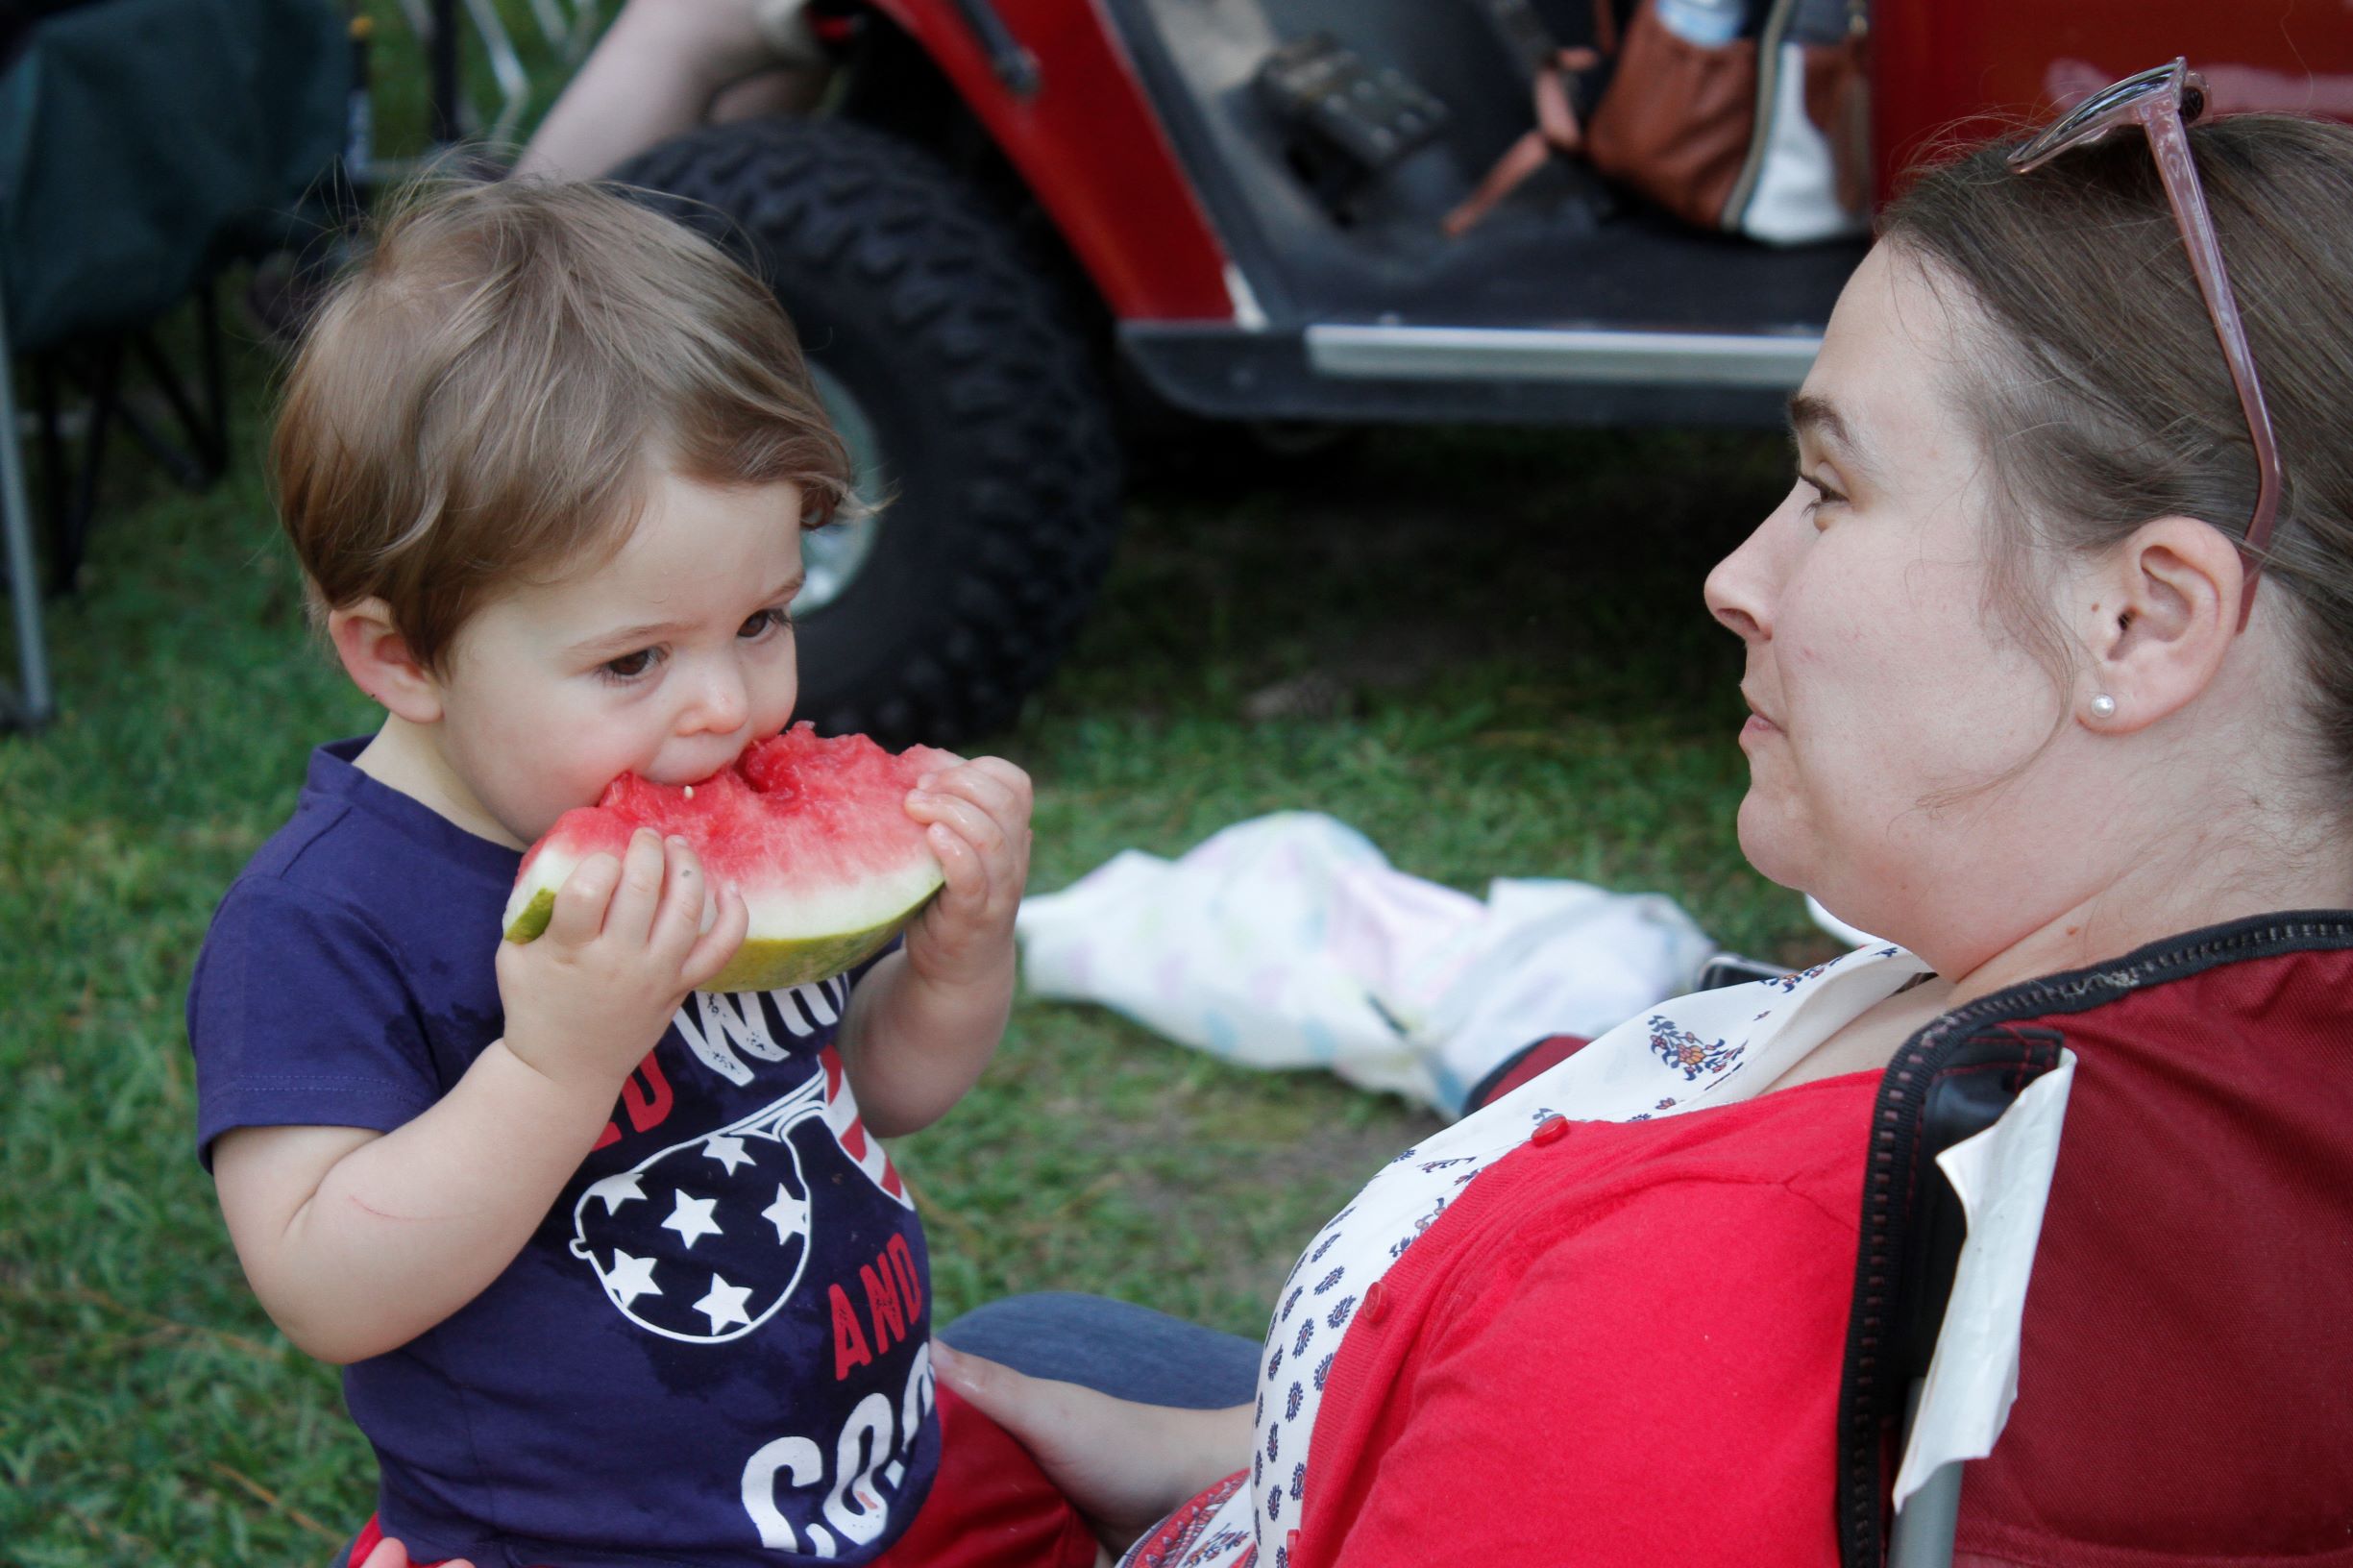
point(2103, 706)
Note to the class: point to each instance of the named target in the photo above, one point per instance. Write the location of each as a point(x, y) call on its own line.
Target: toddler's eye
point(762, 621)
point(629, 666)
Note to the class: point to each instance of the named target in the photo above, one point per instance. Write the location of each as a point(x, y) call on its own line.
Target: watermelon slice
point(814, 832)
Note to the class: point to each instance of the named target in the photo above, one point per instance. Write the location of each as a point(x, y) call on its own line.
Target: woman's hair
point(2096, 386)
point(480, 400)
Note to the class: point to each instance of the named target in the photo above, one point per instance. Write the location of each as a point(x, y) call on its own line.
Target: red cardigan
point(1639, 1310)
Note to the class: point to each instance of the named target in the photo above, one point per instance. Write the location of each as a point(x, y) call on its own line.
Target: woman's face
point(1885, 695)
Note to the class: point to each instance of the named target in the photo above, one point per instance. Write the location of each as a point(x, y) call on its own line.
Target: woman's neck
point(2196, 882)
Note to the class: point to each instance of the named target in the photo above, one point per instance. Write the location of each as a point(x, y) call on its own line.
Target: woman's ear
point(2163, 611)
point(377, 658)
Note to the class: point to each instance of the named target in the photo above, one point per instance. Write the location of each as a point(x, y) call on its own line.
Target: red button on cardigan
point(1551, 1130)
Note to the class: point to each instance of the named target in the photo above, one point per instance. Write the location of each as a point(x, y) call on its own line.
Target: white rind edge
point(843, 907)
point(816, 912)
point(548, 871)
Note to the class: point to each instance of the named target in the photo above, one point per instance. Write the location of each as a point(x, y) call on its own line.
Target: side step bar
point(1380, 372)
point(1460, 354)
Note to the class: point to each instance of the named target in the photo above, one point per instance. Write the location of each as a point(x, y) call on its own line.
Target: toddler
point(618, 1272)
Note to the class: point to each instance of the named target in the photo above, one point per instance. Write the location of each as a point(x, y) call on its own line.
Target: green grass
point(1520, 680)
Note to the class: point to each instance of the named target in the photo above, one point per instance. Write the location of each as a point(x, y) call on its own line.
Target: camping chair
point(144, 144)
point(2183, 1348)
point(1935, 1095)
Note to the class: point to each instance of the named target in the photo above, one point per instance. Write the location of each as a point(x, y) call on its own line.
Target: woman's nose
point(1729, 601)
point(1739, 591)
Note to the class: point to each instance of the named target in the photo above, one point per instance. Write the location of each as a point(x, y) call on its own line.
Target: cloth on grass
point(1289, 941)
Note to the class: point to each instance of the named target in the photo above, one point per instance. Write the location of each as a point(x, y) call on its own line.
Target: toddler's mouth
point(686, 778)
point(711, 764)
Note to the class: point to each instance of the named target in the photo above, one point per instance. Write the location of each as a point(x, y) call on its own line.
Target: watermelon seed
point(690, 791)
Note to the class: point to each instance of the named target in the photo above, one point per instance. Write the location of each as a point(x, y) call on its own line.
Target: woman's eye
point(629, 666)
point(1823, 495)
point(761, 622)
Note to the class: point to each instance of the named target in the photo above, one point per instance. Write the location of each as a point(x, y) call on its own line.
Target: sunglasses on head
point(2163, 102)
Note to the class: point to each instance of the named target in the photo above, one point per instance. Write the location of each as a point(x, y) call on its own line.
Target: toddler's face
point(666, 661)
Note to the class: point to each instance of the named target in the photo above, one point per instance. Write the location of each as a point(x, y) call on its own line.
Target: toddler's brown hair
point(479, 400)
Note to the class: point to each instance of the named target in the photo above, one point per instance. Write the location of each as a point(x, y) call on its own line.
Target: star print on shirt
point(692, 1218)
point(631, 1278)
point(727, 1151)
point(724, 1305)
point(615, 1191)
point(731, 1205)
point(790, 1215)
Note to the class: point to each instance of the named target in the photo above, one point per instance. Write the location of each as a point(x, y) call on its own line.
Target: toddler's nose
point(719, 702)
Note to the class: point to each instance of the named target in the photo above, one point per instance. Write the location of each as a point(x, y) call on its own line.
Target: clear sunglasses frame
point(2163, 102)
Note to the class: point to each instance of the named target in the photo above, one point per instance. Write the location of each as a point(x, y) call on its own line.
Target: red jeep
point(1019, 217)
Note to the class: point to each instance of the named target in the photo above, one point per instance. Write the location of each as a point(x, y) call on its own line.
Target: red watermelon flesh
point(814, 832)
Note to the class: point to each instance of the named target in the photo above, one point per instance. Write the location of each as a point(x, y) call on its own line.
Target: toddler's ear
point(377, 658)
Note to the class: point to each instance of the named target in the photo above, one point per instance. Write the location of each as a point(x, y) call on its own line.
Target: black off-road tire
point(1002, 469)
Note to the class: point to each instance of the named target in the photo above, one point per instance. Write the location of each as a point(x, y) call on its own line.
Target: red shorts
point(991, 1506)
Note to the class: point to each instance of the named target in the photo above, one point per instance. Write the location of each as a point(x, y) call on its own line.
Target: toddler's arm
point(357, 1242)
point(925, 1020)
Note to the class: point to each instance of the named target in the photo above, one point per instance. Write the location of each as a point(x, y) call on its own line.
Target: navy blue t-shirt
point(713, 1349)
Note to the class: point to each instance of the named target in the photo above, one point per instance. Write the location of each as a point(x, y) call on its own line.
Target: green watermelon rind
point(530, 922)
point(784, 963)
point(760, 964)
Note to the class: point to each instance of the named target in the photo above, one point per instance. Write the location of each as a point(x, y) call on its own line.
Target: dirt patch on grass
point(1232, 1212)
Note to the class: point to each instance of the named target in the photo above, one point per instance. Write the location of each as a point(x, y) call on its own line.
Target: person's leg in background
point(665, 66)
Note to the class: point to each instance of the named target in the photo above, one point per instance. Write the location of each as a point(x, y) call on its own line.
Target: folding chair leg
point(32, 706)
point(1924, 1528)
point(69, 532)
point(198, 455)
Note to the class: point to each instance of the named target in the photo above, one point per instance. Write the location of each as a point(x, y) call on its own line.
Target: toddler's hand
point(976, 815)
point(392, 1554)
point(591, 995)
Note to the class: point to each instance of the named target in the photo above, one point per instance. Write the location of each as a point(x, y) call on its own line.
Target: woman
point(2004, 711)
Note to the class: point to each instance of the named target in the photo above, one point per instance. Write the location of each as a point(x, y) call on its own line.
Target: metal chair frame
point(29, 702)
point(187, 437)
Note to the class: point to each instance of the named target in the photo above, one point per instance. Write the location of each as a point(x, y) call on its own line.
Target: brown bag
point(1676, 121)
point(1767, 136)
